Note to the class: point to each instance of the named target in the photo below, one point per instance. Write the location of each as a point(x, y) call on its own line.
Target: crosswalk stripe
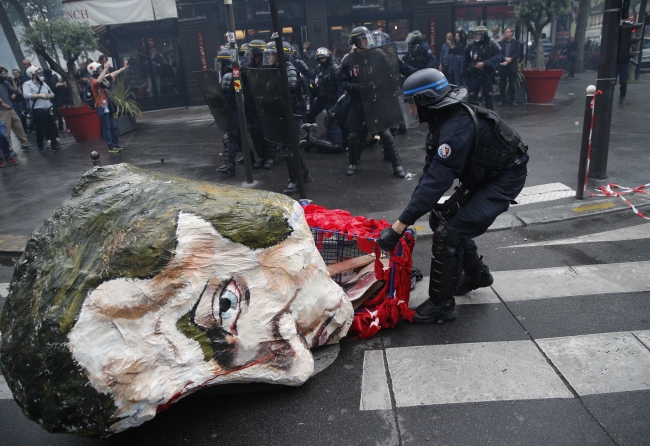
point(632, 233)
point(480, 296)
point(538, 194)
point(374, 386)
point(572, 281)
point(512, 370)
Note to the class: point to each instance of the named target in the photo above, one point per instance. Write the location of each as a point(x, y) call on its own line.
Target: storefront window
point(248, 10)
point(155, 66)
point(499, 17)
point(468, 18)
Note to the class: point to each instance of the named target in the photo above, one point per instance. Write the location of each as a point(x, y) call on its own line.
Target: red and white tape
point(607, 190)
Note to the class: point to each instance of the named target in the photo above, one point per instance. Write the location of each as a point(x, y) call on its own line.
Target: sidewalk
point(179, 142)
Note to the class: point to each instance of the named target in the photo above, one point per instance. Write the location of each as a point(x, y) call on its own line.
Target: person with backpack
point(97, 95)
point(475, 146)
point(38, 95)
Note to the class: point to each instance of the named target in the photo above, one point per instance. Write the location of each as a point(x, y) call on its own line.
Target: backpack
point(89, 97)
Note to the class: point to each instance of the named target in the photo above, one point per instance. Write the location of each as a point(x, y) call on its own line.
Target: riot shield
point(379, 80)
point(209, 86)
point(266, 89)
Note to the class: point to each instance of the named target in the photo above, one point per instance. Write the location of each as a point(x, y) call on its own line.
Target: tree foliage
point(32, 10)
point(536, 14)
point(72, 40)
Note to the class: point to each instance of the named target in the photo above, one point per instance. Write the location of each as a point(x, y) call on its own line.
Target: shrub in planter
point(127, 106)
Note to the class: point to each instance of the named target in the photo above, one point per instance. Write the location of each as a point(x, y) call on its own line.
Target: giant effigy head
point(144, 287)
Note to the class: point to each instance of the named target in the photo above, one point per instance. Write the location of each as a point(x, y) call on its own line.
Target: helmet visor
point(380, 40)
point(270, 57)
point(409, 112)
point(365, 41)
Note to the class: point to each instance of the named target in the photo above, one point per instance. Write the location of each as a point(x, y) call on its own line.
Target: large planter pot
point(125, 124)
point(542, 85)
point(82, 122)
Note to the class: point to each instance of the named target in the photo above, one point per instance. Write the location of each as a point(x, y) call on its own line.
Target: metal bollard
point(584, 147)
point(95, 157)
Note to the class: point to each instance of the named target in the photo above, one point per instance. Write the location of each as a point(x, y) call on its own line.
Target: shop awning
point(113, 12)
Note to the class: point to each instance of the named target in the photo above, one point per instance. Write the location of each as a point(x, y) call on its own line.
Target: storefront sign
point(113, 12)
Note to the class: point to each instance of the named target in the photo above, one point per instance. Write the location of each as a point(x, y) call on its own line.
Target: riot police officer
point(420, 55)
point(230, 139)
point(271, 61)
point(475, 146)
point(361, 39)
point(327, 90)
point(481, 59)
point(265, 151)
point(306, 74)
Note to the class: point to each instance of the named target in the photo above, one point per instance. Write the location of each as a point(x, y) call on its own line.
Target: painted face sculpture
point(233, 301)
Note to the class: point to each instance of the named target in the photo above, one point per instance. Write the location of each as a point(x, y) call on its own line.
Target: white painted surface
point(474, 372)
point(4, 290)
point(600, 363)
point(632, 233)
point(572, 281)
point(374, 385)
point(644, 337)
point(5, 393)
point(480, 296)
point(544, 192)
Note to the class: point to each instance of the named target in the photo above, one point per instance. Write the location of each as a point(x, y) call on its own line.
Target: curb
point(533, 217)
point(14, 245)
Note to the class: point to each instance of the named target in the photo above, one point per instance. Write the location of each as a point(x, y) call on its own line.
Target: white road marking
point(5, 393)
point(463, 373)
point(4, 290)
point(537, 194)
point(632, 233)
point(480, 296)
point(644, 336)
point(600, 363)
point(572, 281)
point(374, 386)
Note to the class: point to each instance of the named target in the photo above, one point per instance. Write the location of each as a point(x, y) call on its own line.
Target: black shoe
point(240, 160)
point(398, 171)
point(428, 313)
point(27, 148)
point(258, 164)
point(291, 188)
point(514, 104)
point(305, 176)
point(621, 101)
point(352, 169)
point(478, 279)
point(500, 103)
point(56, 147)
point(229, 170)
point(268, 163)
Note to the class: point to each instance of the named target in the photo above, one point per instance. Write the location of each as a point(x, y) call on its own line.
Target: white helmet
point(31, 71)
point(92, 67)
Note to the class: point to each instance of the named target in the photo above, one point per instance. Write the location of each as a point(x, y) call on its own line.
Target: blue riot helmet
point(323, 55)
point(361, 37)
point(288, 48)
point(244, 50)
point(379, 38)
point(428, 89)
point(224, 60)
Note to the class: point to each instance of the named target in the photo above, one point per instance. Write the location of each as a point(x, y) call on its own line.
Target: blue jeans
point(456, 68)
point(109, 128)
point(4, 141)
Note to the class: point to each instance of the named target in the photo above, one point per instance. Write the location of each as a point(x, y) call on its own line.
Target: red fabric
point(384, 310)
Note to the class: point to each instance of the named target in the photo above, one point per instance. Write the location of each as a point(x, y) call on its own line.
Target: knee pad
point(445, 240)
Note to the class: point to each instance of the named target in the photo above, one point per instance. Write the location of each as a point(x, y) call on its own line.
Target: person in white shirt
point(38, 94)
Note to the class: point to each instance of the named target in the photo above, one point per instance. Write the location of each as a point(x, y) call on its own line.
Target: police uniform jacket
point(420, 56)
point(327, 82)
point(228, 88)
point(486, 51)
point(349, 79)
point(446, 159)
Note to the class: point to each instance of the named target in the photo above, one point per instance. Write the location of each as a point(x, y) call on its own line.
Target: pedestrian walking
point(8, 95)
point(462, 144)
point(38, 95)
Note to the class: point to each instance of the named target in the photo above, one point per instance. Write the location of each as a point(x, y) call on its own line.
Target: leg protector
point(489, 103)
point(390, 150)
point(230, 147)
point(441, 305)
point(288, 158)
point(354, 152)
point(476, 274)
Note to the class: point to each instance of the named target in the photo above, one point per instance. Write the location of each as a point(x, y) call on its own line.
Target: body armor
point(327, 82)
point(228, 88)
point(480, 52)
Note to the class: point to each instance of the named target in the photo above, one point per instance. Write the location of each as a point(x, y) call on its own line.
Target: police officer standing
point(481, 58)
point(271, 61)
point(230, 139)
point(475, 146)
point(420, 54)
point(327, 91)
point(265, 151)
point(361, 39)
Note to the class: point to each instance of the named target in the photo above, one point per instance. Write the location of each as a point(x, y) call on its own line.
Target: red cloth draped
point(384, 310)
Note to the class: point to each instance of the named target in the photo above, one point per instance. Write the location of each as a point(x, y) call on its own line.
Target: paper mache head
point(143, 288)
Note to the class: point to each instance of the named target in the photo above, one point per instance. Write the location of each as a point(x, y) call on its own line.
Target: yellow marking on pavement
point(593, 207)
point(417, 228)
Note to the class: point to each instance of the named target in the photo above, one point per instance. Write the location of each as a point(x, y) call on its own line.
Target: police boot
point(440, 306)
point(292, 186)
point(354, 151)
point(261, 147)
point(229, 154)
point(489, 101)
point(390, 149)
point(476, 274)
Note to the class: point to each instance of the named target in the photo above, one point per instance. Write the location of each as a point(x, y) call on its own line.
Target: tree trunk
point(584, 9)
point(540, 63)
point(11, 35)
point(25, 20)
point(67, 75)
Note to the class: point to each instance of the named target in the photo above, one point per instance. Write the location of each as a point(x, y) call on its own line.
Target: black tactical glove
point(388, 239)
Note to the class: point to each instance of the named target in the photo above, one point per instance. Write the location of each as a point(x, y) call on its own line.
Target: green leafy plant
point(46, 37)
point(124, 100)
point(536, 14)
point(520, 79)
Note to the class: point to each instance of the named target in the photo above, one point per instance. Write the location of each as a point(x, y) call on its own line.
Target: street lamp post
point(239, 97)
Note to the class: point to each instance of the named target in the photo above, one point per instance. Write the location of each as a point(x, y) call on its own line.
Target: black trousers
point(507, 80)
point(45, 126)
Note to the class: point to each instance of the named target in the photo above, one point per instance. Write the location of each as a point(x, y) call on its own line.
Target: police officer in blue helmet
point(471, 144)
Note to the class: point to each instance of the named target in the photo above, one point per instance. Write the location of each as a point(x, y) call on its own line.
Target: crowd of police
point(362, 95)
